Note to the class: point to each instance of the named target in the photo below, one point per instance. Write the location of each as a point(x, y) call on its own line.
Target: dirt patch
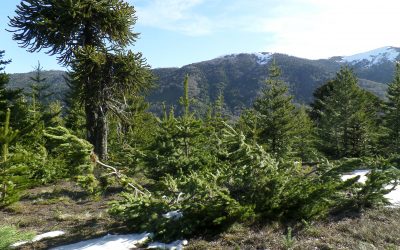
point(62, 206)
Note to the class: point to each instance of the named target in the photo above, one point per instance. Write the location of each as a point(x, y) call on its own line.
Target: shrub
point(241, 183)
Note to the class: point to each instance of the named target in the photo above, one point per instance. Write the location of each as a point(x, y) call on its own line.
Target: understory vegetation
point(10, 235)
point(191, 173)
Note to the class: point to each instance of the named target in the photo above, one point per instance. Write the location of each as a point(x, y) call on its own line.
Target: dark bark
point(97, 129)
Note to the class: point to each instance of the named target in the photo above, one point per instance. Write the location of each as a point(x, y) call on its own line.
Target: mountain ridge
point(391, 53)
point(240, 77)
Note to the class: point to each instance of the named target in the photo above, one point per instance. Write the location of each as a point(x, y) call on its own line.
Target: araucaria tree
point(90, 36)
point(392, 114)
point(275, 115)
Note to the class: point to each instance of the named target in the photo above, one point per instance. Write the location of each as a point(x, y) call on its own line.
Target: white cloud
point(340, 27)
point(191, 17)
point(307, 28)
point(175, 15)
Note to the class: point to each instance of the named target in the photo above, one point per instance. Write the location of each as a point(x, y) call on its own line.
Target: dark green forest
point(276, 161)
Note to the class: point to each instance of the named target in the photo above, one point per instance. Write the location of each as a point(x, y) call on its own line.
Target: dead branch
point(120, 176)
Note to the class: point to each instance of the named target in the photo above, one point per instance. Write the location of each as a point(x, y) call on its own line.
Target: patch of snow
point(108, 242)
point(263, 57)
point(176, 245)
point(39, 237)
point(374, 56)
point(361, 173)
point(393, 197)
point(48, 235)
point(19, 243)
point(176, 214)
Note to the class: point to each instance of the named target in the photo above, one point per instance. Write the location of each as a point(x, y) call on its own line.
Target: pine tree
point(304, 145)
point(346, 117)
point(275, 112)
point(75, 114)
point(7, 183)
point(54, 114)
point(39, 91)
point(4, 78)
point(8, 97)
point(131, 131)
point(392, 113)
point(248, 123)
point(216, 117)
point(180, 145)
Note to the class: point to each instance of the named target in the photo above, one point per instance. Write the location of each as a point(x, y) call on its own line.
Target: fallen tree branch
point(121, 177)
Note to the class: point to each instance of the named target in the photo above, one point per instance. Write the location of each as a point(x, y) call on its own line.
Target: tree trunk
point(97, 129)
point(102, 136)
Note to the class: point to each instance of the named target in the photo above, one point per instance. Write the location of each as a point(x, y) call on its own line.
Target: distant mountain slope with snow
point(373, 57)
point(241, 76)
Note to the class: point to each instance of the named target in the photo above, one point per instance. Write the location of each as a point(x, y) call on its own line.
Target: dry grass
point(374, 229)
point(66, 207)
point(63, 206)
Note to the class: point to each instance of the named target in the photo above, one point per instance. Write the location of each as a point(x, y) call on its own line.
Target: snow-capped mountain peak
point(375, 56)
point(263, 57)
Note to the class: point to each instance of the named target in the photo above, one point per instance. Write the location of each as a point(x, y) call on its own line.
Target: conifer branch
point(121, 177)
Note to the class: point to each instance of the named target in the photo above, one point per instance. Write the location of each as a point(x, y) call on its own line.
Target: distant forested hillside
point(239, 77)
point(55, 78)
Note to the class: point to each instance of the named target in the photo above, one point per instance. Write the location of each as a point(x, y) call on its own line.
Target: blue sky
point(179, 32)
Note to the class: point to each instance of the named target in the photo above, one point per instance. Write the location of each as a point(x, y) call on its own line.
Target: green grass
point(10, 235)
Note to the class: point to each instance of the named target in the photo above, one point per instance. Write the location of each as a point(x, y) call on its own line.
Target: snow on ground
point(393, 197)
point(176, 214)
point(39, 237)
point(361, 173)
point(176, 245)
point(374, 56)
point(121, 242)
point(108, 242)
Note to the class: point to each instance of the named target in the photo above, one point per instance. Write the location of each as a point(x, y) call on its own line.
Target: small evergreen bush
point(209, 175)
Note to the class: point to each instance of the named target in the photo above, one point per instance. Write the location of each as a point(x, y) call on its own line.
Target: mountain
point(55, 78)
point(373, 57)
point(240, 77)
point(375, 65)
